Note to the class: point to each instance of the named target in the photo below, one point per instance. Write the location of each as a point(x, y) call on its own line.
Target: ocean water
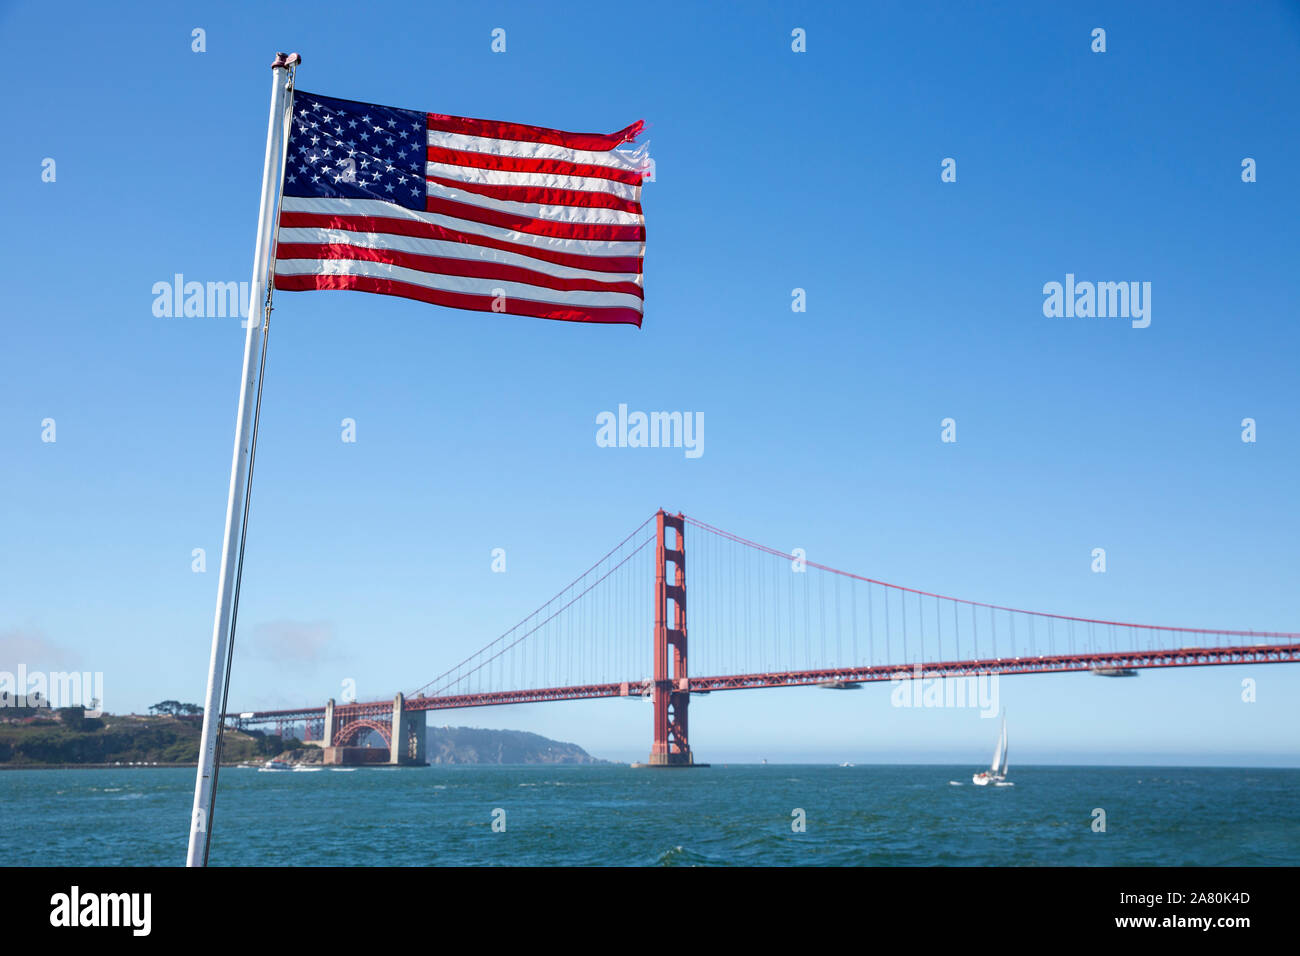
point(718, 816)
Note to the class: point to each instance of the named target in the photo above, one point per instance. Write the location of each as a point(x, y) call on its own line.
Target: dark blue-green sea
point(619, 816)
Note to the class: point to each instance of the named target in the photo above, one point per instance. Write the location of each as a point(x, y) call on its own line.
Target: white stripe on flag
point(450, 250)
point(614, 158)
point(386, 210)
point(446, 283)
point(501, 177)
point(585, 215)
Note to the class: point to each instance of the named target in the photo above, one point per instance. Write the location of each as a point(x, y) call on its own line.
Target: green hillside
point(58, 737)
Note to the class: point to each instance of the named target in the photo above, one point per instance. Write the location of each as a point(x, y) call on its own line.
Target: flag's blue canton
point(343, 149)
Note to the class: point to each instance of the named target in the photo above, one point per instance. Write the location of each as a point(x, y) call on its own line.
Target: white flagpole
point(272, 179)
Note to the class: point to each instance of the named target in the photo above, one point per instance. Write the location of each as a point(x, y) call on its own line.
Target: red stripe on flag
point(527, 164)
point(595, 142)
point(460, 300)
point(427, 230)
point(442, 265)
point(544, 195)
point(604, 232)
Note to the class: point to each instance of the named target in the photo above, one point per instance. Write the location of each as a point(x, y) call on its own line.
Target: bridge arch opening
point(359, 733)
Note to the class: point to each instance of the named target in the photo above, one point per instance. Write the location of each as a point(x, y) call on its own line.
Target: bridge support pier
point(672, 688)
point(327, 732)
point(407, 743)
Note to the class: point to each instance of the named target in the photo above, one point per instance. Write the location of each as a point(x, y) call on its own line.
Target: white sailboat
point(997, 772)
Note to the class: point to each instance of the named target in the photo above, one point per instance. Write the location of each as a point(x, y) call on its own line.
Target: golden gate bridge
point(761, 617)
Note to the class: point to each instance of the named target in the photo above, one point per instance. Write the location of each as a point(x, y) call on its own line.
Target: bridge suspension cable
point(743, 617)
point(593, 631)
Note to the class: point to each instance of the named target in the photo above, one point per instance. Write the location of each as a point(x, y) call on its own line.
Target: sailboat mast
point(1006, 749)
point(997, 751)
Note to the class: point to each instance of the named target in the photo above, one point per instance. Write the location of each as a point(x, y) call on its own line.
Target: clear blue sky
point(776, 170)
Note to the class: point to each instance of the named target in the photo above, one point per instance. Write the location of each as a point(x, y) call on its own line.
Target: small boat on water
point(273, 765)
point(997, 772)
point(304, 768)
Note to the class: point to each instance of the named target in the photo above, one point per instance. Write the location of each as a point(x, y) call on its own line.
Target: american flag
point(465, 213)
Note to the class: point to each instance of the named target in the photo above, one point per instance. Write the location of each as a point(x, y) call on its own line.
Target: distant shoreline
point(63, 739)
point(105, 766)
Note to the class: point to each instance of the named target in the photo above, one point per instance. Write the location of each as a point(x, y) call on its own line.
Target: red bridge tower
point(672, 690)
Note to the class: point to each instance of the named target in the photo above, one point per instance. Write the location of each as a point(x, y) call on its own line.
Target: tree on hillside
point(174, 708)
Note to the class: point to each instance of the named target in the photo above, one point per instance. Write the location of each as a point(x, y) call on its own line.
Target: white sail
point(997, 753)
point(1005, 749)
